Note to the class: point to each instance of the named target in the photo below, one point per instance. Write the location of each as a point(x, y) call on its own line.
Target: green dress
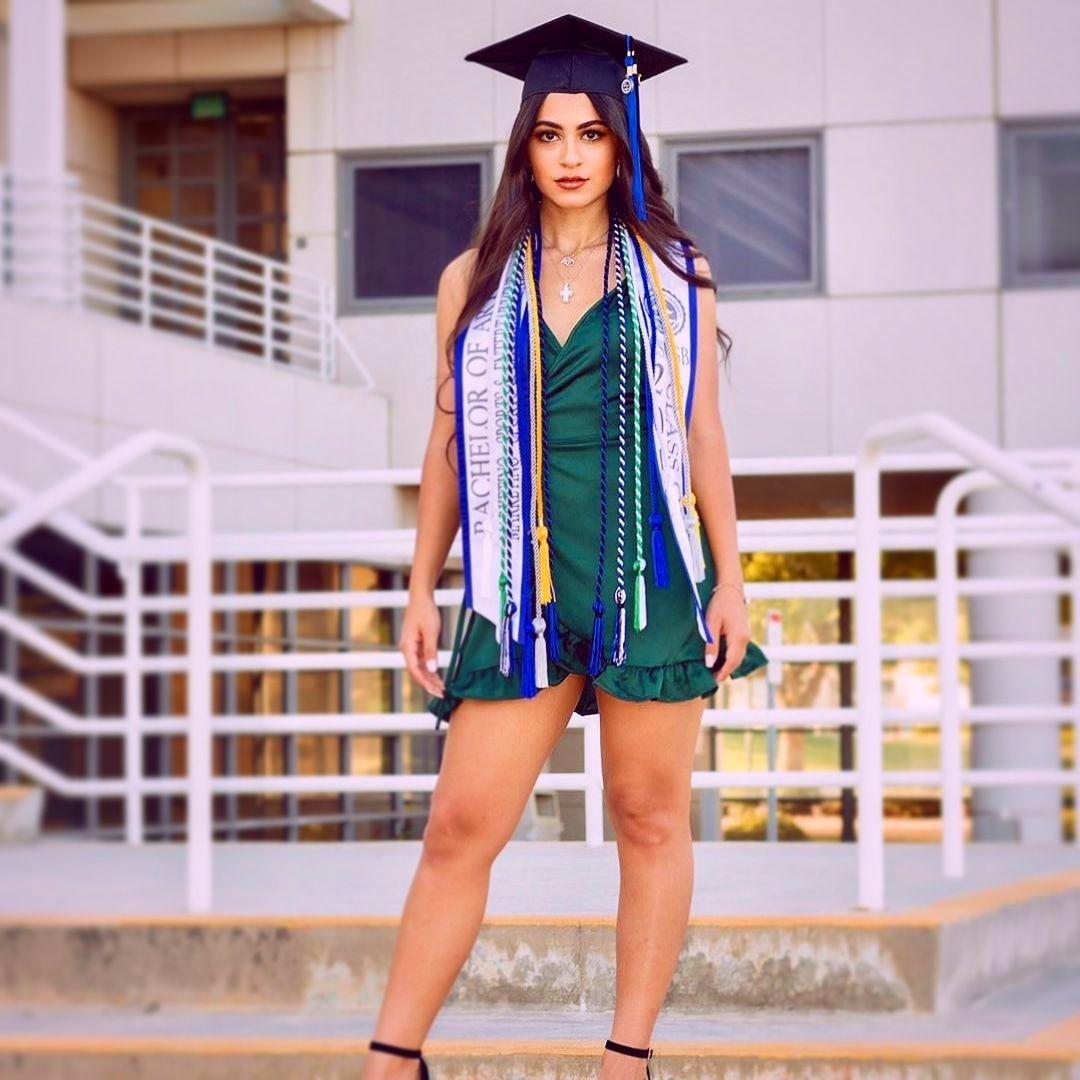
point(665, 661)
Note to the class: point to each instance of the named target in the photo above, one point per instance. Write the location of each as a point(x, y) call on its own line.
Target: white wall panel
point(1038, 57)
point(752, 66)
point(915, 60)
point(777, 398)
point(911, 207)
point(1041, 367)
point(893, 356)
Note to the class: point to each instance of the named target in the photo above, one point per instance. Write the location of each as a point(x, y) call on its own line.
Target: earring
point(618, 169)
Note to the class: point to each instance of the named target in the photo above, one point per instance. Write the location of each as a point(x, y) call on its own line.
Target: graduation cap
point(572, 55)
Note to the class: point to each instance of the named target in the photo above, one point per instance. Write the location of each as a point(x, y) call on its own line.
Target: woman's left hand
point(727, 615)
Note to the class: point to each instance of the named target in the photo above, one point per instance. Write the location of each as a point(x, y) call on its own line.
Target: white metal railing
point(61, 245)
point(996, 467)
point(866, 535)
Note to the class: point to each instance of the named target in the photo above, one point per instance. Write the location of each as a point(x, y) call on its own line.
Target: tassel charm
point(596, 656)
point(506, 654)
point(547, 589)
point(540, 652)
point(641, 616)
point(618, 650)
point(551, 618)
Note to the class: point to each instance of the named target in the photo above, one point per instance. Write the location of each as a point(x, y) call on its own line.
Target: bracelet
point(732, 585)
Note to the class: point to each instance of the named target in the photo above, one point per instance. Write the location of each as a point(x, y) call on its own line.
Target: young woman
point(575, 335)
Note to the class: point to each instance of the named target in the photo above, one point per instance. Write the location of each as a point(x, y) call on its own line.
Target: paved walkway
point(563, 878)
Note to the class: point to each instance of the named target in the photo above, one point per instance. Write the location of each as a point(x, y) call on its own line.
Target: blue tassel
point(659, 553)
point(551, 614)
point(528, 664)
point(633, 122)
point(596, 656)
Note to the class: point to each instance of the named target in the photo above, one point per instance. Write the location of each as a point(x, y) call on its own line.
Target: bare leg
point(494, 753)
point(648, 754)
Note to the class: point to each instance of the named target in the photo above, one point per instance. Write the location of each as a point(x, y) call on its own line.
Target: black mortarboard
point(573, 55)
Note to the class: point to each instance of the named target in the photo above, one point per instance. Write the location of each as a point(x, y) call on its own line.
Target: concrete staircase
point(983, 984)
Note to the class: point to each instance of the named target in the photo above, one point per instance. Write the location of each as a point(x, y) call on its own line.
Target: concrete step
point(1030, 1030)
point(931, 959)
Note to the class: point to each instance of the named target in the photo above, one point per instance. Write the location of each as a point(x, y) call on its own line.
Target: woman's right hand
point(419, 641)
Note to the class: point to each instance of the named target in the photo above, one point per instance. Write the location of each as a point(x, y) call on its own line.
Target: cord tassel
point(540, 652)
point(659, 554)
point(596, 656)
point(633, 122)
point(547, 590)
point(618, 648)
point(641, 617)
point(551, 619)
point(693, 528)
point(528, 668)
point(506, 653)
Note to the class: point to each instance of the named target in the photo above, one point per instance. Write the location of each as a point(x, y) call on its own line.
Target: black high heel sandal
point(633, 1051)
point(402, 1051)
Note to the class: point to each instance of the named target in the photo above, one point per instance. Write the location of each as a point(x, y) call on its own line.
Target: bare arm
point(438, 509)
point(710, 477)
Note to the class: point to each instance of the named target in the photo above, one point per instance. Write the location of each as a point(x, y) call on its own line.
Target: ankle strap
point(633, 1051)
point(390, 1048)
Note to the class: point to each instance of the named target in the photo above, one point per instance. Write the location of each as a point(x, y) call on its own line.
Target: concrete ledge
point(929, 959)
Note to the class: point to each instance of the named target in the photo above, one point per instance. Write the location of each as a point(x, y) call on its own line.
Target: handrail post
point(948, 634)
point(869, 780)
point(131, 573)
point(200, 737)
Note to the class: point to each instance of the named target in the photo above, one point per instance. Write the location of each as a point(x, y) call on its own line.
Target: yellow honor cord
point(540, 532)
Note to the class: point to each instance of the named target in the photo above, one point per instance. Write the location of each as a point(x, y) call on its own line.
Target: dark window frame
point(348, 304)
point(812, 141)
point(1012, 277)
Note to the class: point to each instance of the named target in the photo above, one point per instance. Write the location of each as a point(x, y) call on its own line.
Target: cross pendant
point(566, 292)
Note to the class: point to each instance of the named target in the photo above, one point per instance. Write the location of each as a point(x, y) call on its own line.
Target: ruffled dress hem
point(676, 680)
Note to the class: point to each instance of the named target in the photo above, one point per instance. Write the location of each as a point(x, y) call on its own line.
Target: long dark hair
point(516, 208)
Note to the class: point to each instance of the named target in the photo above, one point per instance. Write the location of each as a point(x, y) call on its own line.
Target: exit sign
point(208, 106)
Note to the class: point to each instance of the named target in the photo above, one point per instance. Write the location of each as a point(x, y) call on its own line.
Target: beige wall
point(93, 144)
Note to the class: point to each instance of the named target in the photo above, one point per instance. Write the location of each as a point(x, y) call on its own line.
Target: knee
point(645, 816)
point(456, 829)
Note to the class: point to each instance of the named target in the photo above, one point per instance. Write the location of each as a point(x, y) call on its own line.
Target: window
point(1040, 226)
point(753, 206)
point(405, 219)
